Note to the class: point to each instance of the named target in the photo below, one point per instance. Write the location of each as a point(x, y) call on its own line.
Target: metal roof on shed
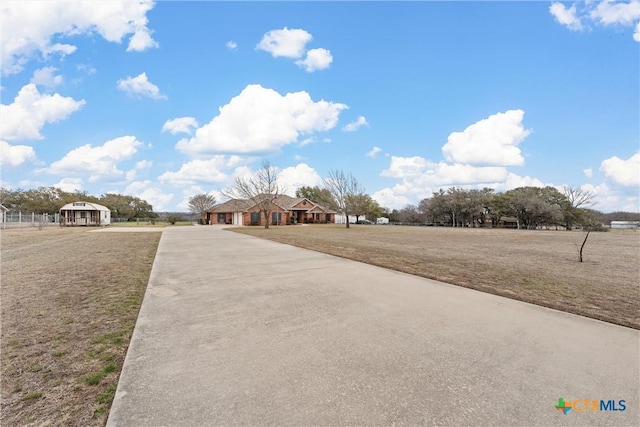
point(87, 207)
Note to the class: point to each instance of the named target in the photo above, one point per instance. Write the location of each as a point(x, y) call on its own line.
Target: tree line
point(49, 200)
point(528, 207)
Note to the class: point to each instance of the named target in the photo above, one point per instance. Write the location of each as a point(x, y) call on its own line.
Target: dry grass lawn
point(70, 300)
point(540, 267)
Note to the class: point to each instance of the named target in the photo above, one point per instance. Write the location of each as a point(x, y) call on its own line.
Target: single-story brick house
point(285, 210)
point(84, 213)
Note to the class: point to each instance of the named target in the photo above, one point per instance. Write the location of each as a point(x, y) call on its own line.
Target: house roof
point(282, 200)
point(233, 205)
point(3, 208)
point(84, 206)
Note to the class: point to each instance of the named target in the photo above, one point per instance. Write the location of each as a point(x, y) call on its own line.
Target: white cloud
point(491, 141)
point(29, 29)
point(623, 172)
point(514, 181)
point(140, 86)
point(70, 185)
point(606, 13)
point(566, 16)
point(46, 77)
point(588, 172)
point(389, 199)
point(406, 167)
point(316, 59)
point(374, 151)
point(308, 141)
point(88, 69)
point(294, 177)
point(140, 41)
point(285, 42)
point(189, 192)
point(609, 200)
point(157, 197)
point(98, 162)
point(231, 45)
point(15, 155)
point(201, 171)
point(353, 126)
point(30, 110)
point(139, 166)
point(180, 125)
point(261, 120)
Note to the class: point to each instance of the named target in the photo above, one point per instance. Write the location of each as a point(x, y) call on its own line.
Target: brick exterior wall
point(246, 217)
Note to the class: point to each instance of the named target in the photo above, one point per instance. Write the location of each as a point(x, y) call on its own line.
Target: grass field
point(540, 267)
point(70, 300)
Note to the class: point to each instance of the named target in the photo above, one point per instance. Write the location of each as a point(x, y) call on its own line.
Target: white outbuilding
point(625, 224)
point(382, 220)
point(84, 213)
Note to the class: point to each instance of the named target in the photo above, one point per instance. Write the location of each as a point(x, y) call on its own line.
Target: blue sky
point(170, 99)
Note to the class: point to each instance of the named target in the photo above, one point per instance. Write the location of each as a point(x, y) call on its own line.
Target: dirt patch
point(70, 299)
point(540, 267)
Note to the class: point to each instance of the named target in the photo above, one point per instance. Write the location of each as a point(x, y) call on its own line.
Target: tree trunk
point(583, 243)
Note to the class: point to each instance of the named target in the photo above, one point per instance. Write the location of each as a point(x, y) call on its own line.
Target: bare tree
point(577, 196)
point(343, 188)
point(576, 199)
point(589, 222)
point(201, 203)
point(262, 189)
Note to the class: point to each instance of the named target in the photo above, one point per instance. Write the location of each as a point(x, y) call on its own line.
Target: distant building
point(84, 213)
point(3, 212)
point(625, 224)
point(342, 219)
point(382, 220)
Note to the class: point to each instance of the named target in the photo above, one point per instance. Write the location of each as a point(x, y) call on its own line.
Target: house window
point(328, 217)
point(276, 218)
point(255, 218)
point(222, 218)
point(83, 214)
point(78, 204)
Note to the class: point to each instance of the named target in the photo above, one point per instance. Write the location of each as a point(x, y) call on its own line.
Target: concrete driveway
point(235, 330)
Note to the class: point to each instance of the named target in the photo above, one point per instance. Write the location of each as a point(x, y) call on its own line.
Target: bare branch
point(261, 188)
point(343, 189)
point(578, 197)
point(201, 203)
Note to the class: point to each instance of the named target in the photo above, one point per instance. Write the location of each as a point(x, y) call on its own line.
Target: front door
point(237, 218)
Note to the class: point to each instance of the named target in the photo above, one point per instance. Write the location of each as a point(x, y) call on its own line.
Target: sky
point(165, 100)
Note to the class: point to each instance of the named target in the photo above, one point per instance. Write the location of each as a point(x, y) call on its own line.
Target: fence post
point(20, 217)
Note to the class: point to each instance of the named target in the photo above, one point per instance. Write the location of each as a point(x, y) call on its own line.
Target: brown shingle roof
point(233, 205)
point(282, 200)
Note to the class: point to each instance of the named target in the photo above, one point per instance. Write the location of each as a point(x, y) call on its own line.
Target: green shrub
point(172, 219)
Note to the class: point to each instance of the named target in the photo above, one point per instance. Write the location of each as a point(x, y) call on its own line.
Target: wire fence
point(29, 219)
